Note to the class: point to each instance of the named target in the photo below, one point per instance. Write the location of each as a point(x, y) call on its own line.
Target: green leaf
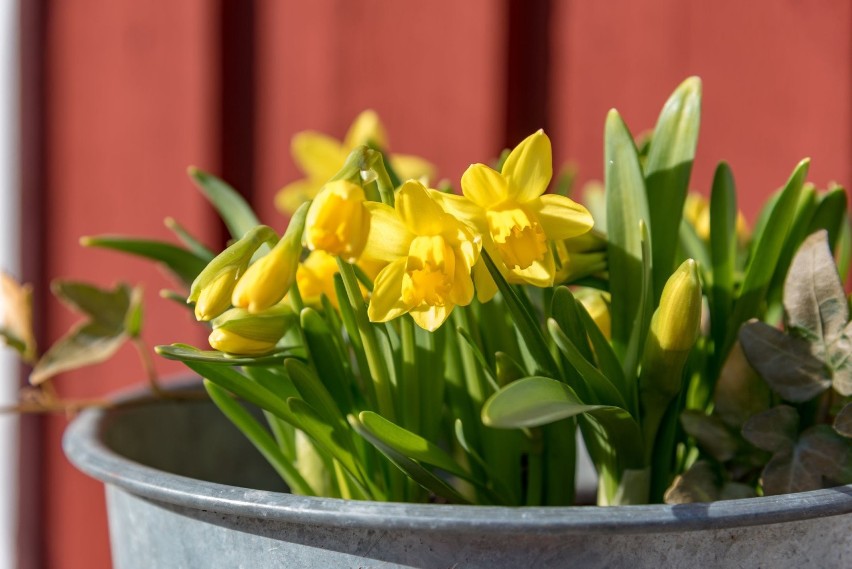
point(831, 213)
point(333, 438)
point(667, 171)
point(410, 444)
point(238, 384)
point(313, 392)
point(537, 401)
point(765, 254)
point(180, 262)
point(600, 388)
point(259, 437)
point(97, 338)
point(775, 430)
point(233, 209)
point(626, 208)
point(820, 459)
point(194, 246)
point(843, 421)
point(723, 250)
point(525, 322)
point(328, 359)
point(711, 434)
point(187, 353)
point(785, 362)
point(411, 468)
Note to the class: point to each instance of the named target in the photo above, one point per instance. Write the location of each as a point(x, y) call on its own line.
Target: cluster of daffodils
point(418, 250)
point(413, 344)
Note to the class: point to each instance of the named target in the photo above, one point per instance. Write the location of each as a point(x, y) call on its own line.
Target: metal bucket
point(184, 489)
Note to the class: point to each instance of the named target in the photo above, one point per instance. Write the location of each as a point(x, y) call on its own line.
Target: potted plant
point(417, 366)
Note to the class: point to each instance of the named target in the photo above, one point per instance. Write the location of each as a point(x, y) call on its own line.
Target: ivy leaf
point(820, 459)
point(843, 421)
point(740, 393)
point(813, 294)
point(785, 362)
point(712, 435)
point(698, 484)
point(112, 318)
point(16, 317)
point(775, 430)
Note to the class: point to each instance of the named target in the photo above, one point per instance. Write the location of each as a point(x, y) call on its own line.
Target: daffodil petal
point(529, 167)
point(486, 288)
point(319, 156)
point(561, 217)
point(290, 197)
point(386, 302)
point(484, 186)
point(389, 238)
point(540, 273)
point(462, 291)
point(431, 317)
point(462, 209)
point(409, 167)
point(421, 214)
point(366, 129)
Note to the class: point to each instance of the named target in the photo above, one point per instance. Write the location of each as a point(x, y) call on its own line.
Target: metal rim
point(84, 448)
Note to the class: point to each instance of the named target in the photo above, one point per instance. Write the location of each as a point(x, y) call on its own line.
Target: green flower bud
point(266, 282)
point(238, 331)
point(212, 288)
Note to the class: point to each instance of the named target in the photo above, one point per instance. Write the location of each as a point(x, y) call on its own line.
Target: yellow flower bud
point(676, 322)
point(598, 308)
point(212, 288)
point(215, 298)
point(267, 281)
point(338, 222)
point(238, 331)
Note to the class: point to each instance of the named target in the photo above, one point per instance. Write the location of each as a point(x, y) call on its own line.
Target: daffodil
point(320, 156)
point(212, 289)
point(517, 221)
point(315, 276)
point(431, 254)
point(338, 221)
point(267, 280)
point(239, 331)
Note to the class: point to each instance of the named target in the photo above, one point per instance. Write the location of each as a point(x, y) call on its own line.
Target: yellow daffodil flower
point(337, 221)
point(320, 157)
point(239, 331)
point(315, 277)
point(267, 280)
point(431, 254)
point(517, 222)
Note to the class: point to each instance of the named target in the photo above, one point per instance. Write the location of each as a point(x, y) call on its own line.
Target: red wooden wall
point(130, 93)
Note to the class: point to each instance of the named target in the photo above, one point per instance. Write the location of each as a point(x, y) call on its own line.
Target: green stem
point(409, 381)
point(535, 468)
point(375, 361)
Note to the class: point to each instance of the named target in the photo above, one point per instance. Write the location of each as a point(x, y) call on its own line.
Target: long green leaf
point(723, 249)
point(233, 209)
point(328, 359)
point(259, 437)
point(667, 171)
point(830, 214)
point(537, 401)
point(626, 208)
point(187, 353)
point(410, 467)
point(180, 262)
point(766, 252)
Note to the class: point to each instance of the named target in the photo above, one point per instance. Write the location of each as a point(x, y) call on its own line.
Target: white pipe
point(9, 261)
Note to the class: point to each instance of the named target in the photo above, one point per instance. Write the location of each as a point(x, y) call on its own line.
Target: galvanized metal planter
point(184, 489)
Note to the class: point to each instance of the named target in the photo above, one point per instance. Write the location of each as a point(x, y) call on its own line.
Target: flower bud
point(212, 288)
point(597, 305)
point(266, 282)
point(676, 322)
point(338, 222)
point(238, 331)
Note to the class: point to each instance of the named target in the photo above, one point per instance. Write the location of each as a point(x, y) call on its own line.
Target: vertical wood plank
point(777, 79)
point(129, 103)
point(433, 71)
